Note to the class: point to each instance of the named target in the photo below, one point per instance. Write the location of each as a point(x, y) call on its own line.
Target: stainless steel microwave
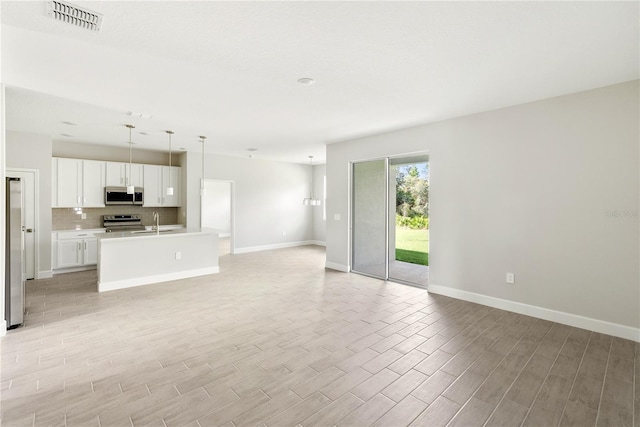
point(119, 196)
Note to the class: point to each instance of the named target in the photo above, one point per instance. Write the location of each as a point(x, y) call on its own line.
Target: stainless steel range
point(122, 222)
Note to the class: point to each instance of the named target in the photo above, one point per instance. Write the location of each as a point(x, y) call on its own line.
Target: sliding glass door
point(390, 219)
point(369, 208)
point(408, 228)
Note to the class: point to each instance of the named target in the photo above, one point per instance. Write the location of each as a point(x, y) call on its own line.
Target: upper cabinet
point(156, 180)
point(77, 183)
point(118, 174)
point(80, 183)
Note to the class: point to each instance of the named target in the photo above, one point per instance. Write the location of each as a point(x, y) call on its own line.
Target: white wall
point(33, 151)
point(547, 190)
point(268, 198)
point(319, 223)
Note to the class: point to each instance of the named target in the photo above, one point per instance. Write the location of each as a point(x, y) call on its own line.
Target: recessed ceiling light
point(138, 115)
point(143, 133)
point(182, 149)
point(306, 81)
point(66, 135)
point(252, 149)
point(69, 123)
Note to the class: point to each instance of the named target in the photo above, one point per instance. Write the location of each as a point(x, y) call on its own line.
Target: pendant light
point(202, 190)
point(130, 188)
point(310, 201)
point(169, 188)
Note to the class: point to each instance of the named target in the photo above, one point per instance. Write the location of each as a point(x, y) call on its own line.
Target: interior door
point(369, 218)
point(28, 179)
point(216, 211)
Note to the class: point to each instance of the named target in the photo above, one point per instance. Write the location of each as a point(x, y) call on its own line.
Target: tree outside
point(412, 213)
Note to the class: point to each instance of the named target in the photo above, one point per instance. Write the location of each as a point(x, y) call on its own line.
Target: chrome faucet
point(156, 218)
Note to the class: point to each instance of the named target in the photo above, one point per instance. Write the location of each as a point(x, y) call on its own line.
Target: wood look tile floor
point(275, 340)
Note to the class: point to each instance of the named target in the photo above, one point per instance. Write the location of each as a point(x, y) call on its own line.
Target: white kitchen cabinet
point(118, 174)
point(75, 249)
point(93, 176)
point(90, 254)
point(69, 254)
point(156, 181)
point(152, 185)
point(77, 252)
point(66, 188)
point(77, 183)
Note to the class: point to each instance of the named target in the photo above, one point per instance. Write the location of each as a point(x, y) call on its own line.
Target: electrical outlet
point(336, 217)
point(178, 255)
point(511, 278)
point(84, 216)
point(284, 233)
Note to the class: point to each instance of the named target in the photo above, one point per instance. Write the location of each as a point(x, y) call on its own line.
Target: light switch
point(336, 217)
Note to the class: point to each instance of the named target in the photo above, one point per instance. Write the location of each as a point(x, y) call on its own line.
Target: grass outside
point(412, 246)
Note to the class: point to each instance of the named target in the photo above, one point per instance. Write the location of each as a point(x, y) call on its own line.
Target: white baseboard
point(318, 243)
point(601, 326)
point(270, 247)
point(3, 328)
point(73, 269)
point(48, 274)
point(336, 266)
point(157, 278)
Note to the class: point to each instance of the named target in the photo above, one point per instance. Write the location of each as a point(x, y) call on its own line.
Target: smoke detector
point(74, 15)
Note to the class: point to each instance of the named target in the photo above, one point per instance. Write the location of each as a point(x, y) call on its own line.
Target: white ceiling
point(228, 70)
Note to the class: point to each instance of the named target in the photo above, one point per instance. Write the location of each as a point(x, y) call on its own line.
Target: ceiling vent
point(74, 15)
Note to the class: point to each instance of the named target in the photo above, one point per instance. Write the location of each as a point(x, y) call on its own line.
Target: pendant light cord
point(170, 133)
point(128, 175)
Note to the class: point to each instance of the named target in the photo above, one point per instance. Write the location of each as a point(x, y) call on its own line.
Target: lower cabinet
point(75, 249)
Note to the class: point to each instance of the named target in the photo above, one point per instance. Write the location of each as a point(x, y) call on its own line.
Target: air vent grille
point(74, 15)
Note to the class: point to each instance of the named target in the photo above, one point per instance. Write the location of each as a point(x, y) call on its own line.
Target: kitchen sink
point(150, 231)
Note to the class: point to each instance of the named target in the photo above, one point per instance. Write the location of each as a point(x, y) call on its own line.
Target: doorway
point(390, 219)
point(29, 178)
point(216, 211)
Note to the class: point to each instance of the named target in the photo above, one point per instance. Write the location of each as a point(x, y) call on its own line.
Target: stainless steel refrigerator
point(14, 283)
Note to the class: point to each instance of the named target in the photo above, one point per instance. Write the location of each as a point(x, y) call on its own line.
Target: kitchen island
point(135, 258)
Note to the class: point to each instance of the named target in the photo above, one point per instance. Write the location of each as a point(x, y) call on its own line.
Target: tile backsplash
point(71, 219)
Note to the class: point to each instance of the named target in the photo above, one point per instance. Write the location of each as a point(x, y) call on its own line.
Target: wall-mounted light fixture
point(310, 201)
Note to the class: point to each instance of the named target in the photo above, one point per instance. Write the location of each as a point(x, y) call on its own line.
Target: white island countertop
point(154, 234)
point(128, 259)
